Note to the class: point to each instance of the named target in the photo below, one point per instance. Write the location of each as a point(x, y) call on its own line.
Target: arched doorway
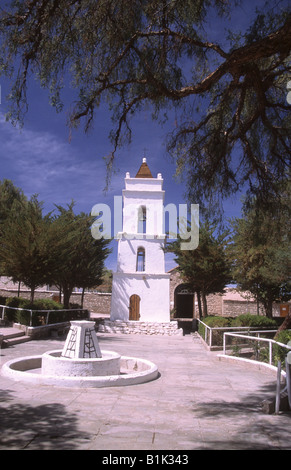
point(134, 304)
point(184, 301)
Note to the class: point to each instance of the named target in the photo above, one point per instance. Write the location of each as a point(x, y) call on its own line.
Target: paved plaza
point(197, 403)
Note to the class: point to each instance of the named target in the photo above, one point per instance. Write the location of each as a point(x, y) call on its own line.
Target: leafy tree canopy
point(57, 249)
point(261, 252)
point(9, 195)
point(80, 257)
point(233, 120)
point(207, 268)
point(26, 245)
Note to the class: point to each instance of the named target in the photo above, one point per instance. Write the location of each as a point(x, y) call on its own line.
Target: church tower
point(140, 289)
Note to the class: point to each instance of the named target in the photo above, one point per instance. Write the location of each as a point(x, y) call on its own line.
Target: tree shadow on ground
point(262, 431)
point(41, 427)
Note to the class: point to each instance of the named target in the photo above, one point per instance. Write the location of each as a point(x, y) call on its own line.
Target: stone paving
point(197, 403)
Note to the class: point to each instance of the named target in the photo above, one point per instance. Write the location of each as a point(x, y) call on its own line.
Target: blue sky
point(42, 159)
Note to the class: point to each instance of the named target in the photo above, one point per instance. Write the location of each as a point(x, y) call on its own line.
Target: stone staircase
point(11, 336)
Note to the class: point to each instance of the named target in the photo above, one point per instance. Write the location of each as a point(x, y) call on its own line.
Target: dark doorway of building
point(183, 302)
point(134, 304)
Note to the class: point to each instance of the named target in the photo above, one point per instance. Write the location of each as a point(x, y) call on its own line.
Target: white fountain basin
point(131, 371)
point(54, 364)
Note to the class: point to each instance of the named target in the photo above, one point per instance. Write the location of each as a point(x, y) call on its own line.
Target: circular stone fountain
point(81, 363)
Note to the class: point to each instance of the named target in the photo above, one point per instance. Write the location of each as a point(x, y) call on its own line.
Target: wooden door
point(134, 303)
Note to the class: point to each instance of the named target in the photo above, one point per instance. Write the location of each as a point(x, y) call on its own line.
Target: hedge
point(56, 315)
point(257, 321)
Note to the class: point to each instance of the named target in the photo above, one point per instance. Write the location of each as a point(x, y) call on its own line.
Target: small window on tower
point(142, 218)
point(140, 259)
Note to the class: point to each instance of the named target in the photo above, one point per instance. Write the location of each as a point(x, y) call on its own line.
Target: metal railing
point(287, 389)
point(46, 313)
point(286, 351)
point(213, 336)
point(257, 339)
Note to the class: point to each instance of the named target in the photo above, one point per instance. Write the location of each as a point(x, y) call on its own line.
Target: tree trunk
point(199, 304)
point(268, 304)
point(67, 291)
point(32, 290)
point(286, 325)
point(204, 302)
point(82, 297)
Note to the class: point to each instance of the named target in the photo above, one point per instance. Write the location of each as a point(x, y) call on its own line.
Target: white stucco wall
point(154, 255)
point(143, 192)
point(153, 290)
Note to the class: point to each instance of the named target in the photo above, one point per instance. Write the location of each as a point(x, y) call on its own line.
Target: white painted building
point(140, 289)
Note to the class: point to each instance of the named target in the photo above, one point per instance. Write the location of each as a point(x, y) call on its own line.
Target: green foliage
point(284, 336)
point(80, 256)
point(261, 250)
point(216, 322)
point(134, 54)
point(9, 196)
point(23, 317)
point(17, 302)
point(59, 249)
point(258, 321)
point(56, 315)
point(279, 353)
point(207, 268)
point(20, 316)
point(44, 304)
point(26, 249)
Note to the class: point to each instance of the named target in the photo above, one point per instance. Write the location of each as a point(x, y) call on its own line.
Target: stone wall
point(93, 301)
point(96, 302)
point(175, 280)
point(233, 308)
point(214, 305)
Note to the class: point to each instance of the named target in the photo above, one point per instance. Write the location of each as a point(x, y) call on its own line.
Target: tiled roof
point(144, 171)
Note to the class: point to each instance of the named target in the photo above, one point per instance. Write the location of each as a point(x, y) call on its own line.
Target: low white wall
point(137, 327)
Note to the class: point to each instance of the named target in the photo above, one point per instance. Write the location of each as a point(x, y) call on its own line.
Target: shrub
point(15, 302)
point(23, 317)
point(257, 321)
point(279, 353)
point(56, 316)
point(216, 322)
point(45, 304)
point(213, 322)
point(3, 300)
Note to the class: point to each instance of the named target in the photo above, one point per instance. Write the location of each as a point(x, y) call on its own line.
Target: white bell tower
point(140, 289)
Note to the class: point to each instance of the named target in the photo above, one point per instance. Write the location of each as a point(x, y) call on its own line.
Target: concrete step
point(16, 340)
point(12, 336)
